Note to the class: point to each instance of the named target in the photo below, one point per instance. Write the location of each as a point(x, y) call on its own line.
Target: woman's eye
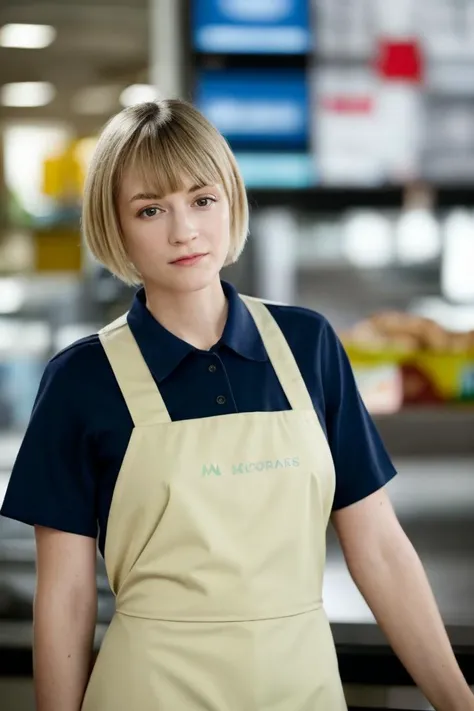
point(149, 212)
point(204, 201)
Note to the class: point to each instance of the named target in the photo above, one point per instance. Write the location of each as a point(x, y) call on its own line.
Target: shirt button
point(220, 400)
point(212, 368)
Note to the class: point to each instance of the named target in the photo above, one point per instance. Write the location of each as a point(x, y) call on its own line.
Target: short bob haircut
point(166, 141)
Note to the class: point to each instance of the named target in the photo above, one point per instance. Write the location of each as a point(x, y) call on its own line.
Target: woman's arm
point(390, 576)
point(65, 611)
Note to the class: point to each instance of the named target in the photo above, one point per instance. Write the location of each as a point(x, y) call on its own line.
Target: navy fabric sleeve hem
point(48, 522)
point(374, 484)
point(53, 479)
point(361, 460)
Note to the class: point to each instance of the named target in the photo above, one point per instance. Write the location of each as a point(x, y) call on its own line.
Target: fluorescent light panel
point(27, 94)
point(368, 239)
point(457, 282)
point(22, 36)
point(12, 295)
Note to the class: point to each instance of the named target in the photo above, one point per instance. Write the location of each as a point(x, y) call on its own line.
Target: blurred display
point(404, 110)
point(447, 27)
point(448, 151)
point(251, 27)
point(401, 109)
point(258, 108)
point(347, 146)
point(401, 356)
point(278, 170)
point(344, 28)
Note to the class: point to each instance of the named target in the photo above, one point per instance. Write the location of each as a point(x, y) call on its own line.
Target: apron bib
point(215, 552)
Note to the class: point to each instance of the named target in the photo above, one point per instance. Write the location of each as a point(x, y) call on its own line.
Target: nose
point(183, 227)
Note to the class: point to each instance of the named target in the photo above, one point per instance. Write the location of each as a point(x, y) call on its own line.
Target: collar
point(163, 351)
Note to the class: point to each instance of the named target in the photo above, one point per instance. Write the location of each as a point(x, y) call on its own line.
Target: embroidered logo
point(250, 467)
point(211, 470)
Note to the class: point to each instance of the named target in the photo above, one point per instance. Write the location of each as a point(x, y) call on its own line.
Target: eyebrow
point(153, 196)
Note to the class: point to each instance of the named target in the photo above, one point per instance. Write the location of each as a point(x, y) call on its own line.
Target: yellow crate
point(451, 375)
point(58, 250)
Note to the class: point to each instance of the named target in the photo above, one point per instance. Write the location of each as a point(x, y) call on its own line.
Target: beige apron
point(215, 551)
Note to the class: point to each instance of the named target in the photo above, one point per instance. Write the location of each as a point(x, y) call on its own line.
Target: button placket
point(219, 382)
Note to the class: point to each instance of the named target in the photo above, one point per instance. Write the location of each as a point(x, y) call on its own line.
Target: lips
point(189, 259)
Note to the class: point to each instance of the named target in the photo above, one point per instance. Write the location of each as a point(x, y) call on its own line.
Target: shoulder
point(314, 344)
point(75, 373)
point(308, 332)
point(298, 320)
point(53, 479)
point(78, 358)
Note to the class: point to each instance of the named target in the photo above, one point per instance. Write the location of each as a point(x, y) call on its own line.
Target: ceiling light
point(27, 36)
point(12, 295)
point(418, 236)
point(137, 94)
point(368, 239)
point(456, 269)
point(27, 94)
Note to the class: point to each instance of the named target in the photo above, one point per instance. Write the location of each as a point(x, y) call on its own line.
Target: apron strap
point(280, 354)
point(139, 390)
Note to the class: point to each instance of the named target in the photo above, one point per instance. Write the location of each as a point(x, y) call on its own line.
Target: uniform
point(215, 541)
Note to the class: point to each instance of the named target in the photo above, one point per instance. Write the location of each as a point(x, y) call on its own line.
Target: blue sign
point(253, 109)
point(251, 26)
point(277, 170)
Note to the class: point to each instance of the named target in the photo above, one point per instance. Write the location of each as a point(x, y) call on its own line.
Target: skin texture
point(188, 301)
point(389, 574)
point(65, 609)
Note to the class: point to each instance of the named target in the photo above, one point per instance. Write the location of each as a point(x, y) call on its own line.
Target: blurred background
point(353, 124)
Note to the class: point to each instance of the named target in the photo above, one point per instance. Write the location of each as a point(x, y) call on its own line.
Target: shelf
point(323, 199)
point(429, 432)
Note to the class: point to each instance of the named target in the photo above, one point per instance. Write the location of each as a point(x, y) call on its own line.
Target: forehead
point(163, 167)
point(133, 188)
point(133, 181)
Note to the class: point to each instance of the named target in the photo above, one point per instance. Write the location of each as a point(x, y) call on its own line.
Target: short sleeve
point(52, 483)
point(361, 460)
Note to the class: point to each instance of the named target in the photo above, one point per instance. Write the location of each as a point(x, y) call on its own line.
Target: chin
point(185, 280)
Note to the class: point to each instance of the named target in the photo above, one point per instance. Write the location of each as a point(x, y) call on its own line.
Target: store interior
point(353, 125)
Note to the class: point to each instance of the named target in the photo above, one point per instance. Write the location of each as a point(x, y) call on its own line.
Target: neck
point(197, 317)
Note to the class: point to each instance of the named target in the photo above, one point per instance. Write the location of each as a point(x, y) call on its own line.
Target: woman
point(206, 439)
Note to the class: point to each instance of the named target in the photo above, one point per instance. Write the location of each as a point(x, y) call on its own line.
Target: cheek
point(222, 222)
point(126, 224)
point(138, 233)
point(221, 233)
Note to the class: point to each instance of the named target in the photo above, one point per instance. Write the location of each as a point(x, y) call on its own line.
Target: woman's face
point(177, 242)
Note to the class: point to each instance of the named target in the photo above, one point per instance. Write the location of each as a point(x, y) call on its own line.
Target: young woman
point(206, 439)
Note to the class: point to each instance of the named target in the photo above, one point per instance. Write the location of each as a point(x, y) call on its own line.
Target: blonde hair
point(166, 141)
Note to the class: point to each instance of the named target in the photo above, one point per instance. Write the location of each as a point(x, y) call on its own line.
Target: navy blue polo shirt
point(67, 466)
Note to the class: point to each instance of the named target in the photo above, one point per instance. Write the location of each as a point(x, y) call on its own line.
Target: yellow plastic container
point(427, 376)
